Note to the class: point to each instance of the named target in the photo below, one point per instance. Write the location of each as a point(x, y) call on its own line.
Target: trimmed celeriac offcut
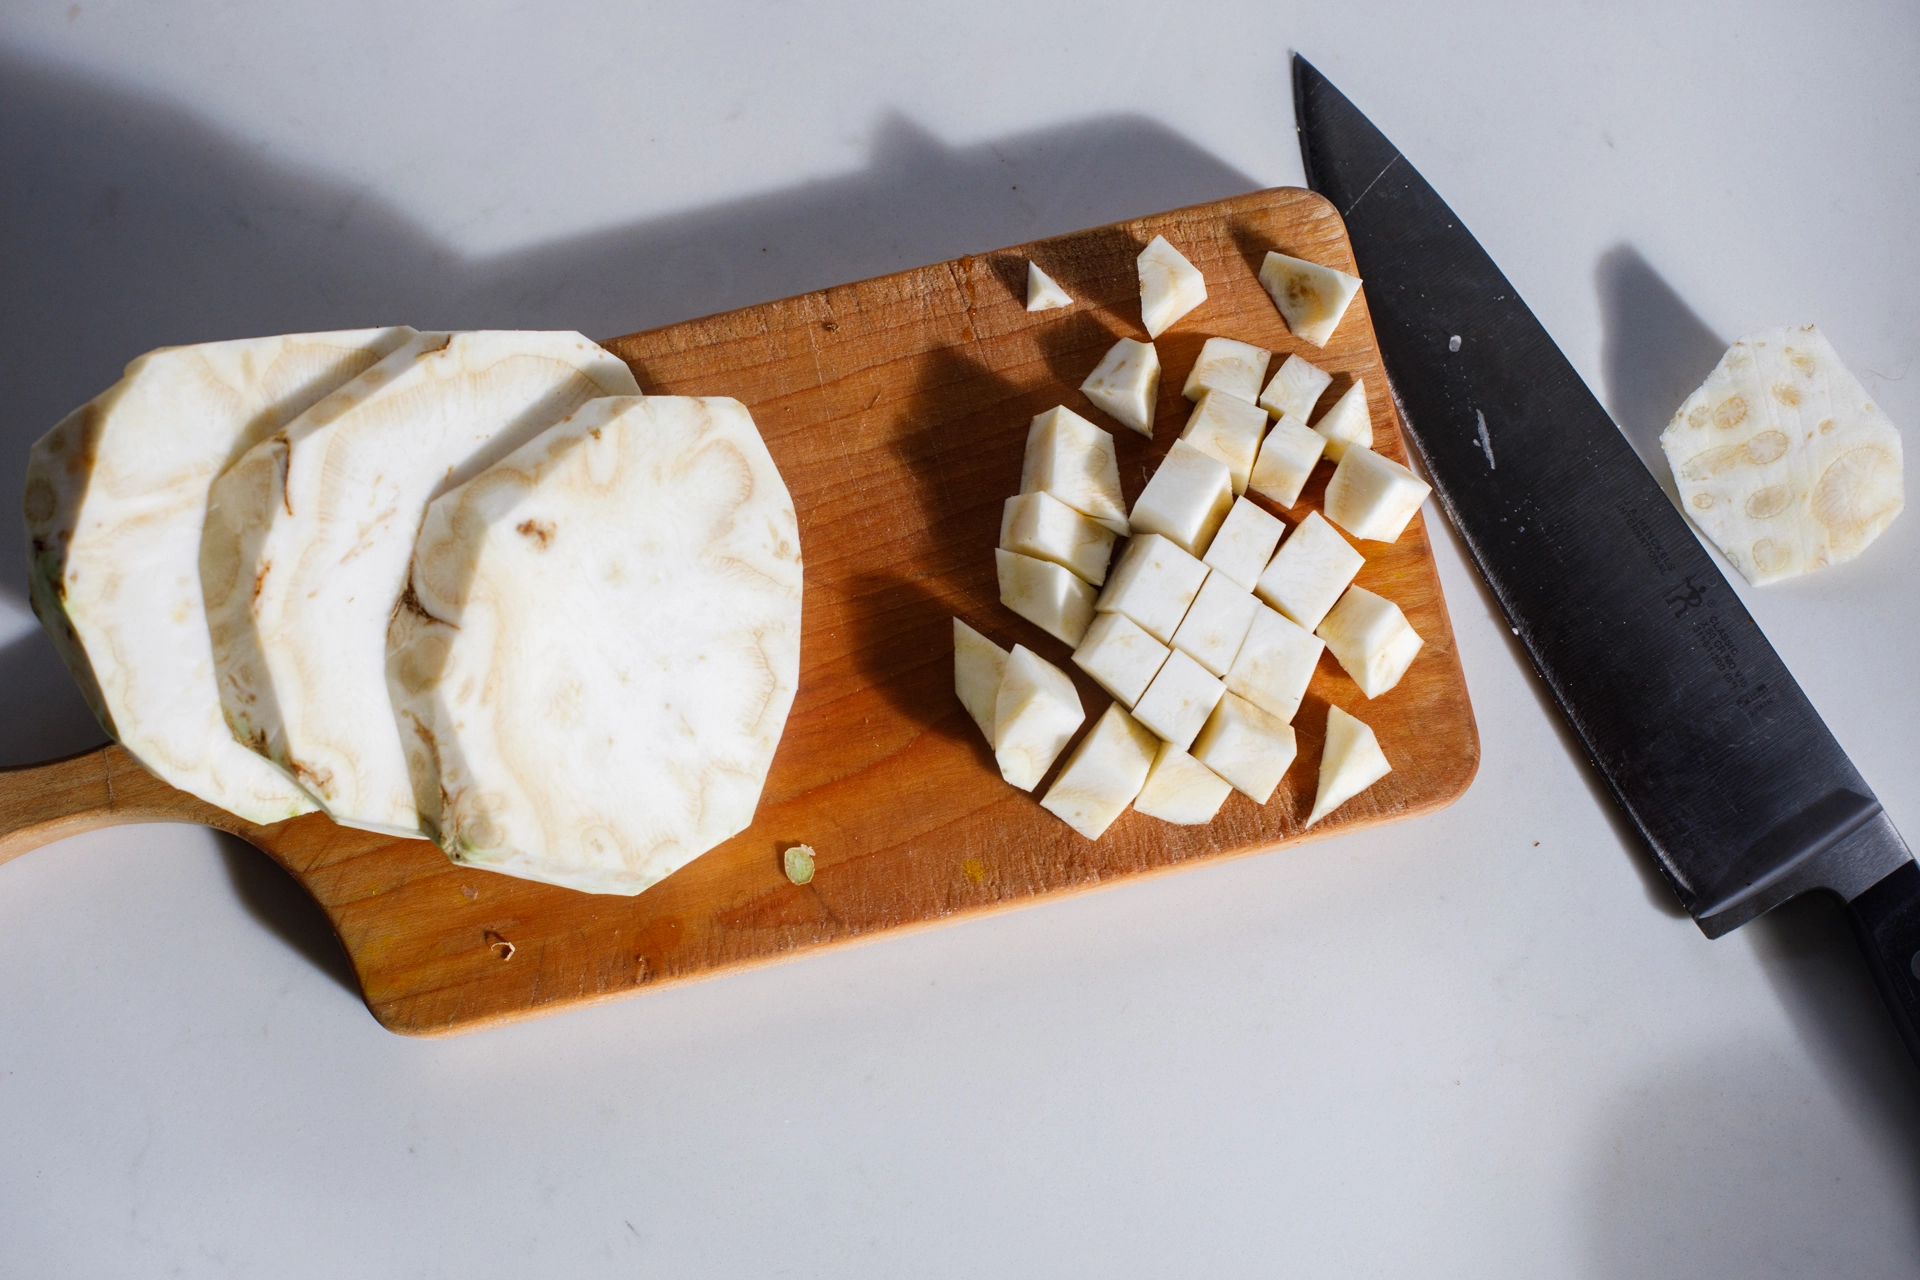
point(1311, 298)
point(1179, 700)
point(1373, 497)
point(1170, 286)
point(309, 535)
point(1050, 597)
point(1041, 526)
point(1042, 293)
point(1311, 569)
point(1186, 500)
point(1228, 429)
point(1181, 790)
point(1126, 384)
point(978, 665)
point(1371, 639)
point(1229, 367)
point(1247, 746)
point(600, 645)
point(1035, 712)
point(1350, 762)
point(1103, 775)
point(1347, 422)
point(1153, 584)
point(1287, 458)
point(1072, 460)
point(1120, 656)
point(116, 499)
point(1295, 389)
point(1244, 543)
point(1782, 459)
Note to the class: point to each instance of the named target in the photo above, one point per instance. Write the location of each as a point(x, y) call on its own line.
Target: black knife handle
point(1886, 920)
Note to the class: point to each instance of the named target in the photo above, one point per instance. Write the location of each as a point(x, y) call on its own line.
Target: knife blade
point(1715, 754)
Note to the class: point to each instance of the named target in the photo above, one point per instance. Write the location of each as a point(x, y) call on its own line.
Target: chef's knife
point(1706, 742)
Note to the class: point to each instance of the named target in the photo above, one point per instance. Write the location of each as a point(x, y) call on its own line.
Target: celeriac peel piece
point(601, 642)
point(1035, 712)
point(116, 499)
point(1373, 497)
point(1120, 656)
point(1179, 700)
point(1274, 664)
point(1170, 286)
point(1295, 389)
point(1103, 775)
point(309, 534)
point(1229, 367)
point(1244, 543)
point(1073, 460)
point(1126, 384)
point(1042, 526)
point(1042, 293)
point(978, 665)
point(1247, 746)
point(1347, 421)
point(1153, 584)
point(1186, 499)
point(1311, 569)
point(1371, 639)
point(1045, 594)
point(1216, 623)
point(1287, 458)
point(1350, 763)
point(1228, 429)
point(1781, 458)
point(1311, 297)
point(1181, 790)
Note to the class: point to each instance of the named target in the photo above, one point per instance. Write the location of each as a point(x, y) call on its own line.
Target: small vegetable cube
point(1295, 389)
point(1181, 790)
point(1042, 293)
point(1314, 566)
point(1227, 429)
point(1126, 383)
point(1248, 747)
point(1310, 296)
point(1042, 526)
point(1373, 497)
point(1275, 664)
point(1120, 656)
point(1231, 368)
point(1035, 711)
point(1073, 461)
point(1045, 594)
point(978, 664)
point(1244, 544)
point(1179, 700)
point(1170, 286)
point(1103, 775)
point(1347, 422)
point(1186, 500)
point(1217, 622)
point(1286, 460)
point(1153, 584)
point(1371, 639)
point(1350, 763)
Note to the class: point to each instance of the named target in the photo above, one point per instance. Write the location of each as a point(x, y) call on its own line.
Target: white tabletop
point(1485, 1043)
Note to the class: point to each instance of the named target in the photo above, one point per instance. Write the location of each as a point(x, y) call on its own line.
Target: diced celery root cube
point(1170, 286)
point(1046, 595)
point(1153, 584)
point(978, 665)
point(1073, 460)
point(1042, 526)
point(1347, 422)
point(1245, 543)
point(1042, 293)
point(1295, 389)
point(1035, 711)
point(1181, 790)
point(1186, 500)
point(1179, 700)
point(1247, 746)
point(1311, 297)
point(1217, 622)
point(1229, 367)
point(1313, 567)
point(1103, 775)
point(1228, 429)
point(1286, 459)
point(1275, 664)
point(1351, 762)
point(1120, 656)
point(1371, 639)
point(1126, 383)
point(1373, 497)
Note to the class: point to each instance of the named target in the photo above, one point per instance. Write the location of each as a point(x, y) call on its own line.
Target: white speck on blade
point(1486, 441)
point(1453, 343)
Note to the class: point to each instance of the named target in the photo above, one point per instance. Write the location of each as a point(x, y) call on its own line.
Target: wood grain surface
point(897, 410)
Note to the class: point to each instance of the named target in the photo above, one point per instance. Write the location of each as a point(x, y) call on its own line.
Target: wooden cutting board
point(897, 410)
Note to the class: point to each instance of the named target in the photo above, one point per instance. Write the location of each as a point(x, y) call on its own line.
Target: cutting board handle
point(104, 787)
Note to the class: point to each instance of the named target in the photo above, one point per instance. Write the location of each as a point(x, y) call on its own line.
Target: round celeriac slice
point(601, 644)
point(116, 496)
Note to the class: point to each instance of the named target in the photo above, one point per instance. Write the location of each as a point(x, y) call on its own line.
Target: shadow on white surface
point(133, 224)
point(286, 910)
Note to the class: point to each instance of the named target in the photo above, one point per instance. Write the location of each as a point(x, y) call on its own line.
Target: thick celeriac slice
point(1232, 368)
point(1103, 775)
point(1181, 790)
point(1126, 384)
point(1120, 656)
point(600, 645)
point(1311, 297)
point(1287, 457)
point(1373, 497)
point(1050, 597)
point(1035, 712)
point(1247, 746)
point(1186, 499)
point(1170, 286)
point(1783, 460)
point(1228, 429)
point(1371, 639)
point(309, 534)
point(978, 665)
point(1042, 526)
point(1311, 569)
point(1216, 623)
point(1350, 762)
point(1153, 584)
point(1042, 293)
point(1295, 389)
point(1071, 459)
point(1347, 422)
point(1178, 702)
point(1244, 543)
point(116, 497)
point(1274, 664)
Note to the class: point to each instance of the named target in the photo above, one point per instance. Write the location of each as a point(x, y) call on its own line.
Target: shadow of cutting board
point(897, 410)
